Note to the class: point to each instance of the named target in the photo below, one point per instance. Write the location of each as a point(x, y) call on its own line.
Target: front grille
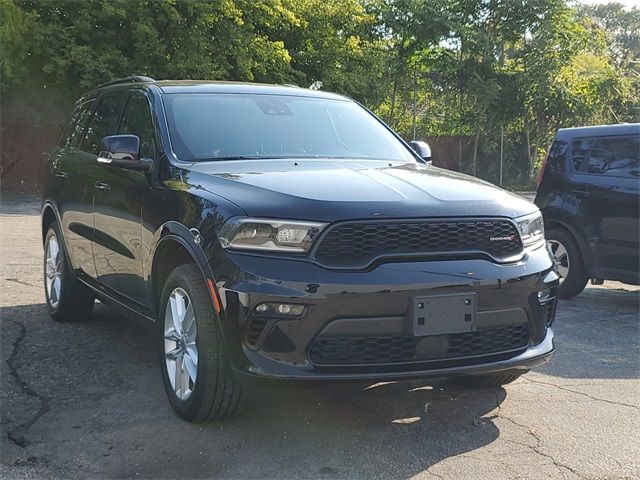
point(350, 245)
point(341, 351)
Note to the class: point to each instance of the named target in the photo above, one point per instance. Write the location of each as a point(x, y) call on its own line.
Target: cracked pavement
point(86, 401)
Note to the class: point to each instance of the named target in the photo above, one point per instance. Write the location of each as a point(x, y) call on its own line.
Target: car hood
point(330, 190)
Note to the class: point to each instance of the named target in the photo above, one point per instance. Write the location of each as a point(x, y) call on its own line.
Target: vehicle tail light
point(542, 169)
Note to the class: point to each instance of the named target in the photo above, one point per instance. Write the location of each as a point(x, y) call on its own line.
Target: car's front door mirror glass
point(422, 149)
point(123, 151)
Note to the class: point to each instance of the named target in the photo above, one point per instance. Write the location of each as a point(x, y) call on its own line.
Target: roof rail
point(133, 79)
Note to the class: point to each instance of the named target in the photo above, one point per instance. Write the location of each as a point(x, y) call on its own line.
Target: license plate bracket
point(444, 314)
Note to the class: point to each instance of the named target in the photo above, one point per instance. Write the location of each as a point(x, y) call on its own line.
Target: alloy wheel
point(180, 350)
point(560, 258)
point(53, 271)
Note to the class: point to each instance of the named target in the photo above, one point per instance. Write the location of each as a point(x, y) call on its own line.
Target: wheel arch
point(48, 215)
point(177, 246)
point(580, 242)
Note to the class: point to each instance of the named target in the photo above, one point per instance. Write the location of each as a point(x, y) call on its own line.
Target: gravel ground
point(86, 401)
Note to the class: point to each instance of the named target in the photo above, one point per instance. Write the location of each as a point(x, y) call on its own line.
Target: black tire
point(576, 279)
point(216, 394)
point(75, 300)
point(487, 381)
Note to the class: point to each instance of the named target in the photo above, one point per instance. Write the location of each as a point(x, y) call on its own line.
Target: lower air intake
point(345, 351)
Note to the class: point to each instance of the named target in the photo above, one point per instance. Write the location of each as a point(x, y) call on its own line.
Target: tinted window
point(214, 126)
point(137, 121)
point(73, 132)
point(616, 156)
point(104, 122)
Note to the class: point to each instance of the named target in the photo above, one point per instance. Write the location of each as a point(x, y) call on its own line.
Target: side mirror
point(422, 149)
point(123, 151)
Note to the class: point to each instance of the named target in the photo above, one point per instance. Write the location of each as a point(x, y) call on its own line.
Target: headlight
point(531, 228)
point(270, 235)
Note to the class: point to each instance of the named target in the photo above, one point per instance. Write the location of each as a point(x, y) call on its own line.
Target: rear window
point(73, 132)
point(617, 156)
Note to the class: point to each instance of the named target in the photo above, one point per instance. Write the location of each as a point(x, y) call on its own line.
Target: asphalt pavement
point(86, 401)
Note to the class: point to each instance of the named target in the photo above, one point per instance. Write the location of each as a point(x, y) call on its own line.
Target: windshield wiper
point(231, 157)
point(267, 157)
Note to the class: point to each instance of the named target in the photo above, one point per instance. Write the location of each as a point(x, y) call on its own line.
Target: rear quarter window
point(616, 156)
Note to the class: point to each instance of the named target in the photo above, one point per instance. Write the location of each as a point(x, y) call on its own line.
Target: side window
point(612, 156)
point(104, 122)
point(137, 121)
point(77, 123)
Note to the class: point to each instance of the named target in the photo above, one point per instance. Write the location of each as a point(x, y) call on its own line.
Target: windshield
point(237, 126)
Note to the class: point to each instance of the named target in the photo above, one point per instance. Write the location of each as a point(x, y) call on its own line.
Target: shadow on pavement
point(15, 204)
point(107, 414)
point(597, 335)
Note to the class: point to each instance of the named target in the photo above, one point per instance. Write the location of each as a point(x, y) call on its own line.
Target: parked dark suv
point(589, 195)
point(277, 232)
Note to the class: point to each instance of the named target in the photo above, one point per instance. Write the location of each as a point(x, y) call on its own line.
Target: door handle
point(102, 186)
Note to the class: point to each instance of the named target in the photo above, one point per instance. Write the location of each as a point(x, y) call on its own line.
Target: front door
point(118, 249)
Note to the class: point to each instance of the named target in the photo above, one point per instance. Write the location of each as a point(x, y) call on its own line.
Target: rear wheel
point(68, 300)
point(569, 263)
point(197, 376)
point(487, 381)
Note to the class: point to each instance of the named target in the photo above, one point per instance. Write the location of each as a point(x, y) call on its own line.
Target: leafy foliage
point(466, 70)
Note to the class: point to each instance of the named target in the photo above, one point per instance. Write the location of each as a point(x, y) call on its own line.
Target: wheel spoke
point(174, 353)
point(192, 351)
point(172, 335)
point(191, 367)
point(54, 249)
point(55, 290)
point(562, 270)
point(177, 310)
point(171, 372)
point(560, 258)
point(177, 383)
point(51, 268)
point(189, 323)
point(185, 376)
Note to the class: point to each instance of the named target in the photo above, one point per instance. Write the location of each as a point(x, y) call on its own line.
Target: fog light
point(285, 309)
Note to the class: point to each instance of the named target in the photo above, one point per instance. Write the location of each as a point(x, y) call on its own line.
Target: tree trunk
point(527, 134)
point(415, 106)
point(475, 151)
point(393, 102)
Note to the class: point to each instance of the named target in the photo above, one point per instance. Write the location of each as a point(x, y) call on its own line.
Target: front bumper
point(377, 303)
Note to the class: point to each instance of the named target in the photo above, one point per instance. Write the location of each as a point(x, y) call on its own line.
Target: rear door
point(73, 192)
point(118, 249)
point(606, 182)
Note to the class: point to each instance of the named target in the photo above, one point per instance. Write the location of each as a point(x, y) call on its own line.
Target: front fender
point(178, 234)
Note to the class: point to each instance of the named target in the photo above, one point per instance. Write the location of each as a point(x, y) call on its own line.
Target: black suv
point(273, 232)
point(589, 195)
